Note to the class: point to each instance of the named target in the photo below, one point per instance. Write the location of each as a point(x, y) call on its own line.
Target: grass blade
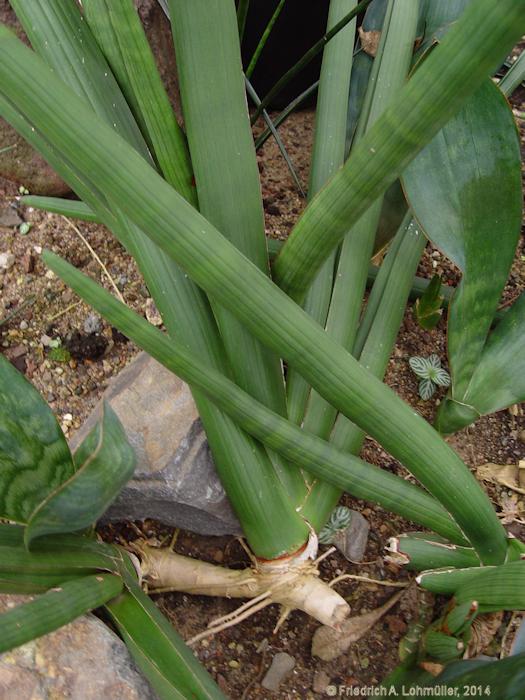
point(308, 56)
point(264, 38)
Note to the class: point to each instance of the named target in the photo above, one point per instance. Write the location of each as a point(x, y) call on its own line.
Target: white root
point(292, 582)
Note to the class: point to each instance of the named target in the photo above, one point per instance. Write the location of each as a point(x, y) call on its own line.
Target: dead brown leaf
point(510, 475)
point(369, 41)
point(329, 643)
point(484, 629)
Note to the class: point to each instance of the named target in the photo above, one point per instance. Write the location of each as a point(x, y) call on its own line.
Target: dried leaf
point(329, 643)
point(433, 668)
point(369, 41)
point(510, 475)
point(484, 630)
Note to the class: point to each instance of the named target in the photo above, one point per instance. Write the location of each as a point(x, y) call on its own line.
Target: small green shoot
point(428, 308)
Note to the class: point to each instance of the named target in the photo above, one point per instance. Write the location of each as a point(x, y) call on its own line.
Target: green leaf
point(428, 307)
point(223, 271)
point(105, 461)
point(514, 76)
point(419, 551)
point(426, 389)
point(119, 33)
point(499, 379)
point(499, 680)
point(168, 664)
point(437, 90)
point(67, 207)
point(63, 38)
point(56, 608)
point(419, 365)
point(344, 471)
point(465, 190)
point(496, 588)
point(34, 456)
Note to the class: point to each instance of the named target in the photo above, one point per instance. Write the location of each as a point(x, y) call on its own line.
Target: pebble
point(321, 681)
point(281, 667)
point(9, 217)
point(45, 340)
point(92, 324)
point(24, 325)
point(233, 664)
point(7, 260)
point(152, 313)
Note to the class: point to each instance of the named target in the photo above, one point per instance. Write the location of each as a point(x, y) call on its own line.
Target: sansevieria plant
point(416, 142)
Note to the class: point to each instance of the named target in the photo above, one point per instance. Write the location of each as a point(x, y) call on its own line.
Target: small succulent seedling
point(431, 373)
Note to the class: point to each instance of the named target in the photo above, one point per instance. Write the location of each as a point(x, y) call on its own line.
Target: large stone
point(84, 660)
point(175, 480)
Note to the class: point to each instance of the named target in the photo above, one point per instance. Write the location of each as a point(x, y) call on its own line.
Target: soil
point(37, 311)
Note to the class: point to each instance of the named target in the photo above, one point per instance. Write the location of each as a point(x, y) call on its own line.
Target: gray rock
point(84, 660)
point(7, 260)
point(351, 541)
point(92, 324)
point(175, 480)
point(9, 217)
point(282, 665)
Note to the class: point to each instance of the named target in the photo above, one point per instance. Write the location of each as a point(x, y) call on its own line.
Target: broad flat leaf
point(34, 456)
point(438, 18)
point(105, 461)
point(499, 378)
point(502, 680)
point(465, 190)
point(441, 377)
point(56, 608)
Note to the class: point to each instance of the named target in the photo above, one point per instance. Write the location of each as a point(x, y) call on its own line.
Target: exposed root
point(292, 582)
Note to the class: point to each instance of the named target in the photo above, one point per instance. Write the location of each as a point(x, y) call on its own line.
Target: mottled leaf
point(105, 461)
point(465, 191)
point(34, 456)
